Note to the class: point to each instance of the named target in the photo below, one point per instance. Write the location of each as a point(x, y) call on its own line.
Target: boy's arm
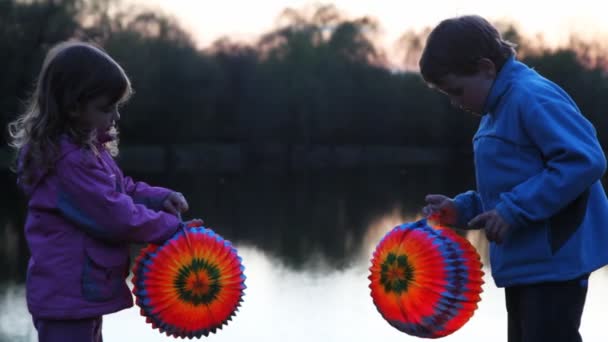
point(468, 205)
point(574, 160)
point(87, 196)
point(142, 193)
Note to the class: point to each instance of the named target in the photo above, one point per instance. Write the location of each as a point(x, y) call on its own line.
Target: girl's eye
point(108, 109)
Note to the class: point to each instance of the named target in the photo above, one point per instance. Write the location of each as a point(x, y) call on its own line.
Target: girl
point(82, 212)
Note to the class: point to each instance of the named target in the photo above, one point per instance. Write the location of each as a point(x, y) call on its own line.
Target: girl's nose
point(116, 116)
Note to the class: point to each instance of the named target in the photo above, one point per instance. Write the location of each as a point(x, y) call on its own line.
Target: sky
point(208, 20)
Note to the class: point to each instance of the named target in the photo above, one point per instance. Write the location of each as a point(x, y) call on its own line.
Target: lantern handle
point(184, 226)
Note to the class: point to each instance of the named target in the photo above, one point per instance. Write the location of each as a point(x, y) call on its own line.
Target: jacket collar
point(505, 76)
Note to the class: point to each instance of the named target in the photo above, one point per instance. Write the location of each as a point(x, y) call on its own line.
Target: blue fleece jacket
point(538, 162)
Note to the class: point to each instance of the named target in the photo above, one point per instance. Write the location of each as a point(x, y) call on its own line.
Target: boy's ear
point(487, 67)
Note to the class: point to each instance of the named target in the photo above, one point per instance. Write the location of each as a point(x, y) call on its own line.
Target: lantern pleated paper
point(191, 285)
point(425, 281)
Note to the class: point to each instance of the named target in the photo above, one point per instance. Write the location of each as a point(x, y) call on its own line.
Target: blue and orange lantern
point(191, 285)
point(425, 281)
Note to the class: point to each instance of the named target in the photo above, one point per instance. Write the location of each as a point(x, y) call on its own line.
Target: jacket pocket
point(104, 273)
point(524, 248)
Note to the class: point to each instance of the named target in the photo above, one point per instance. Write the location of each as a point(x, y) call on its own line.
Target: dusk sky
point(207, 20)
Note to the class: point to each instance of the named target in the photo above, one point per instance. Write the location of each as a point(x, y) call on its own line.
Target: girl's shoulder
point(72, 154)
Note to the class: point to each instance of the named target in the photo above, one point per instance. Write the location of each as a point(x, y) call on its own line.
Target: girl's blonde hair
point(72, 74)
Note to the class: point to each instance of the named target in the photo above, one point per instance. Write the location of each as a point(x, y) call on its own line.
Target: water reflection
point(292, 215)
point(317, 304)
point(306, 241)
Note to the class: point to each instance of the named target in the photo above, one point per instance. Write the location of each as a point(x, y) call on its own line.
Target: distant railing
point(237, 157)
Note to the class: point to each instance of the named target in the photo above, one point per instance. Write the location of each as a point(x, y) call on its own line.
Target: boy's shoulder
point(530, 86)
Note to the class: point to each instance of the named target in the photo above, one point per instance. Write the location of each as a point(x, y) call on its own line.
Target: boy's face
point(468, 92)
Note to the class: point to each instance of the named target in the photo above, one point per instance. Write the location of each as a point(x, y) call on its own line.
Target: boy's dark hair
point(456, 45)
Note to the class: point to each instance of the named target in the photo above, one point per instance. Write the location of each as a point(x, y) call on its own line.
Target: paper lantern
point(191, 285)
point(425, 281)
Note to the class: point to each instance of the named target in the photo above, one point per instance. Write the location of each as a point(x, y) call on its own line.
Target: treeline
point(317, 78)
point(316, 88)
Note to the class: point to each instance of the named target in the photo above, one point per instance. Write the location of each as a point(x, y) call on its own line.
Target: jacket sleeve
point(572, 156)
point(88, 196)
point(468, 205)
point(150, 196)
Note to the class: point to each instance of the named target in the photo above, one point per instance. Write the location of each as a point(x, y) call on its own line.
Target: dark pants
point(81, 330)
point(546, 312)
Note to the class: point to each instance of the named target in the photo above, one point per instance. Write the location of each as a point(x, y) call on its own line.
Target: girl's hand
point(495, 226)
point(442, 209)
point(175, 203)
point(194, 223)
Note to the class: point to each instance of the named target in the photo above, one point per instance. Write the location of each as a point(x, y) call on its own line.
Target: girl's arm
point(142, 193)
point(88, 197)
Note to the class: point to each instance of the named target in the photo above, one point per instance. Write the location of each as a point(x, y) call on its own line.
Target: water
point(319, 303)
point(306, 240)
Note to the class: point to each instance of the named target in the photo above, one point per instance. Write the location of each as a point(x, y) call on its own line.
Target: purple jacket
point(81, 217)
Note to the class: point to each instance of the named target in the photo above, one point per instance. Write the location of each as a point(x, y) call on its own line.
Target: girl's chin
point(108, 134)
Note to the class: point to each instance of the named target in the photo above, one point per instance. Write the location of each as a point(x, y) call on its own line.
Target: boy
point(538, 166)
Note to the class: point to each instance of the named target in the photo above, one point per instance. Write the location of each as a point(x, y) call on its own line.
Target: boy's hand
point(175, 203)
point(495, 226)
point(442, 209)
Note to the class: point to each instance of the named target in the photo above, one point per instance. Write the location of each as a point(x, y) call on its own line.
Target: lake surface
point(317, 303)
point(306, 240)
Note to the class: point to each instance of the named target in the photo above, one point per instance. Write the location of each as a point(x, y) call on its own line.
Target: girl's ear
point(75, 110)
point(73, 114)
point(487, 67)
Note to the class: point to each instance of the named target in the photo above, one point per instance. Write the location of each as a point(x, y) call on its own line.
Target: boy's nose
point(116, 116)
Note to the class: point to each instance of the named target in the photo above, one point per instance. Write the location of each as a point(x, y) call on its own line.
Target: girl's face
point(99, 114)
